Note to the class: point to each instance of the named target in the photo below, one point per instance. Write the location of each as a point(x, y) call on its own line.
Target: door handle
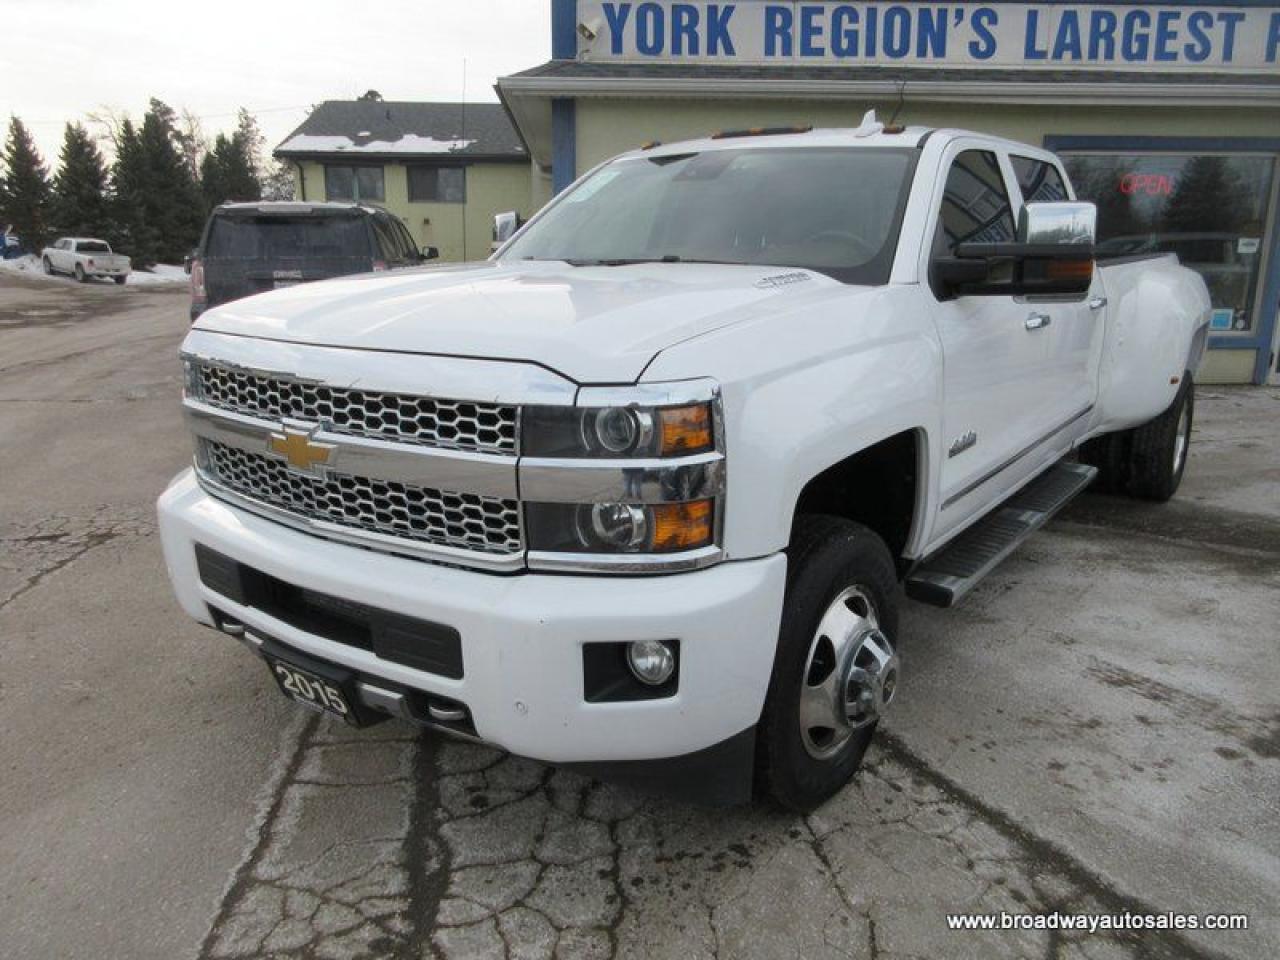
point(1097, 303)
point(1038, 321)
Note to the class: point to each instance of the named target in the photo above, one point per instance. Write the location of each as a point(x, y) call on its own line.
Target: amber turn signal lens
point(685, 429)
point(1070, 269)
point(683, 526)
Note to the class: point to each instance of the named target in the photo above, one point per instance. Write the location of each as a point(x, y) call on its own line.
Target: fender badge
point(962, 443)
point(781, 280)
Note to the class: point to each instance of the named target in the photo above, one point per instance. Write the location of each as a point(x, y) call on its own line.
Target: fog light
point(651, 661)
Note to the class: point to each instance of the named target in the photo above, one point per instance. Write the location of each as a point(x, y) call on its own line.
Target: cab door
point(1073, 325)
point(995, 407)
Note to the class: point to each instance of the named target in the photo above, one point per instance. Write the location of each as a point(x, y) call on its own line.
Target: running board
point(945, 578)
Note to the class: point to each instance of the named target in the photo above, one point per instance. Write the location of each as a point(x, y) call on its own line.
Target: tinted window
point(835, 210)
point(388, 239)
point(411, 248)
point(975, 203)
point(92, 246)
point(1039, 181)
point(353, 183)
point(275, 238)
point(437, 185)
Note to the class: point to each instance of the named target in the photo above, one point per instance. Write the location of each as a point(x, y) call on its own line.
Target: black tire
point(120, 281)
point(80, 274)
point(827, 555)
point(1146, 462)
point(48, 267)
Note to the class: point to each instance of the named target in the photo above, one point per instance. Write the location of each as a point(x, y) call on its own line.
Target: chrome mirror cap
point(1058, 223)
point(505, 226)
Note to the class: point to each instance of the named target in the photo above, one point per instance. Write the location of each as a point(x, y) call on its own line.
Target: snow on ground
point(161, 273)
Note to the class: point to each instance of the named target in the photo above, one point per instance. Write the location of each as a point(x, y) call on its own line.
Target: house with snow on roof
point(443, 168)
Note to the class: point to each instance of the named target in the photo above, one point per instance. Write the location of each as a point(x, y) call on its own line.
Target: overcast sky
point(62, 59)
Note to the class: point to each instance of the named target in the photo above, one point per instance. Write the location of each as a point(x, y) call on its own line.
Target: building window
point(1210, 210)
point(354, 183)
point(437, 184)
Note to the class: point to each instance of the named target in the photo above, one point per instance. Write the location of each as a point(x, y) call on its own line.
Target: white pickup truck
point(639, 494)
point(85, 258)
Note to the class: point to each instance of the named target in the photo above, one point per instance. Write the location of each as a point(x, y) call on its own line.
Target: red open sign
point(1152, 184)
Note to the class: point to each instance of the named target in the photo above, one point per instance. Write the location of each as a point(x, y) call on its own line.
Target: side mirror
point(430, 253)
point(1064, 224)
point(505, 225)
point(1053, 256)
point(187, 261)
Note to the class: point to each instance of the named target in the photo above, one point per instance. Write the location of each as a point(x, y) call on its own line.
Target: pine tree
point(131, 233)
point(172, 203)
point(250, 141)
point(1206, 199)
point(213, 178)
point(227, 172)
point(278, 183)
point(24, 187)
point(79, 202)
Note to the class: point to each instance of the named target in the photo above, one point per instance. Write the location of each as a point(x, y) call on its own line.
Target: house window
point(437, 185)
point(354, 183)
point(1209, 209)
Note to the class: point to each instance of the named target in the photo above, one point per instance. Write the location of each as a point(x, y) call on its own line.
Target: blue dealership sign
point(1159, 37)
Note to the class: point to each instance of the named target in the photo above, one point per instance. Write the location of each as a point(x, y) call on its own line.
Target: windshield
point(287, 238)
point(831, 209)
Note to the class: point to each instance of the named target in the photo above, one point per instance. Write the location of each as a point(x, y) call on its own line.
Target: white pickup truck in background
point(639, 494)
point(85, 258)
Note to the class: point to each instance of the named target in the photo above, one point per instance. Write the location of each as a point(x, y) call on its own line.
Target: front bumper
point(522, 635)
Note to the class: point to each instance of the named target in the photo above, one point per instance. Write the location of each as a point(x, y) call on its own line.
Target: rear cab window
point(1038, 180)
point(287, 238)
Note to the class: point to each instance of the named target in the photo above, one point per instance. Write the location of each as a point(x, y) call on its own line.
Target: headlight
point(630, 478)
point(626, 528)
point(617, 432)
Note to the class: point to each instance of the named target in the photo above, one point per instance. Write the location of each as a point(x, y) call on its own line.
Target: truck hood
point(590, 324)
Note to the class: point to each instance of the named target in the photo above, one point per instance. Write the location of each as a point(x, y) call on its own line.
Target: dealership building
point(1167, 115)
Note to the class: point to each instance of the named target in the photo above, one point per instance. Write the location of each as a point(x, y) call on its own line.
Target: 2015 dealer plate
point(311, 690)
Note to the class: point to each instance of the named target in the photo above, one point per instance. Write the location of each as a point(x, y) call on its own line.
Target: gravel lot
point(1097, 729)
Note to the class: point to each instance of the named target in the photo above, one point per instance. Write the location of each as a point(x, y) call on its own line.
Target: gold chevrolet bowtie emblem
point(298, 449)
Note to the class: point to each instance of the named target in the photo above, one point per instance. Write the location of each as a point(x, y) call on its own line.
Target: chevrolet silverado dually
point(639, 495)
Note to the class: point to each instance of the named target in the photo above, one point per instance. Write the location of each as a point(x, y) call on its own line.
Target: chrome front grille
point(426, 421)
point(488, 525)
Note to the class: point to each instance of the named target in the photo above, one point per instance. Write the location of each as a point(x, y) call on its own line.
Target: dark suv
point(249, 248)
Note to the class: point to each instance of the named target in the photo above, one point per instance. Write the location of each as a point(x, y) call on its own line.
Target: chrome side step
point(945, 578)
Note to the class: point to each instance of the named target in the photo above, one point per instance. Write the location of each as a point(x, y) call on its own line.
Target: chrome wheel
point(1182, 440)
point(850, 675)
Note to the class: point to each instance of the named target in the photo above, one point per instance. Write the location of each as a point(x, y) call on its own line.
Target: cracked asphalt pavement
point(1096, 730)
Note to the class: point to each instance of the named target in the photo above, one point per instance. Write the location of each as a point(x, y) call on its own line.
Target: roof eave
point(399, 157)
point(991, 91)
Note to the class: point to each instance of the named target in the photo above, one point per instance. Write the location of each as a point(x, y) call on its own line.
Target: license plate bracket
point(317, 685)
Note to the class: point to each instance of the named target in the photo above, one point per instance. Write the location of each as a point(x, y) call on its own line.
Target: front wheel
point(836, 668)
point(48, 267)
